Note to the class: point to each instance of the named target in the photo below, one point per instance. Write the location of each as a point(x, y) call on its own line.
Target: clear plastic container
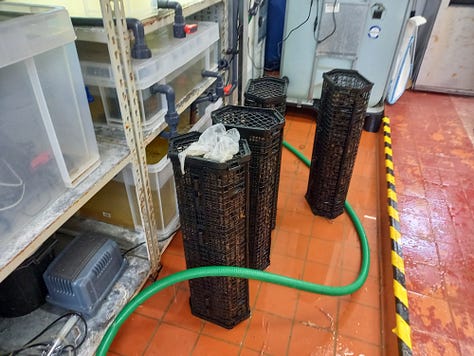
point(140, 9)
point(47, 140)
point(116, 203)
point(175, 61)
point(163, 190)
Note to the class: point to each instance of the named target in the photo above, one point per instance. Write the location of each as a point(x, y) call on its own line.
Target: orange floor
point(434, 171)
point(283, 321)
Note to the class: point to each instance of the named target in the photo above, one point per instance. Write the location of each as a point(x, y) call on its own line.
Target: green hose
point(240, 272)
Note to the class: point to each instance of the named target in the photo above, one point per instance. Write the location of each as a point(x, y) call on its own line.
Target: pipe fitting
point(219, 82)
point(139, 49)
point(179, 23)
point(171, 116)
point(213, 95)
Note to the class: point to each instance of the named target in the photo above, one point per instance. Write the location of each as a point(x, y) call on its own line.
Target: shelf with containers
point(51, 162)
point(116, 203)
point(82, 171)
point(177, 62)
point(151, 17)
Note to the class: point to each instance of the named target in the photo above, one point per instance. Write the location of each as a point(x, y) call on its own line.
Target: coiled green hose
point(240, 272)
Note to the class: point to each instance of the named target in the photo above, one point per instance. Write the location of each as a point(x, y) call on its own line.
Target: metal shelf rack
point(118, 148)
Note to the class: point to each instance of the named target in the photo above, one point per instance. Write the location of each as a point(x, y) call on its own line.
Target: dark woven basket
point(267, 92)
point(344, 98)
point(270, 93)
point(213, 207)
point(263, 130)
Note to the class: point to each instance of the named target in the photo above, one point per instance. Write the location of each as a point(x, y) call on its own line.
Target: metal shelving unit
point(163, 17)
point(118, 148)
point(114, 157)
point(181, 106)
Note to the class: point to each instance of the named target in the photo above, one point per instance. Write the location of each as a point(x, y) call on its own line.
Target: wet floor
point(283, 321)
point(434, 169)
point(434, 166)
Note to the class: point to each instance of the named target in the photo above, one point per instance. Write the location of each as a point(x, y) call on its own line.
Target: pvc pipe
point(171, 116)
point(179, 23)
point(240, 272)
point(139, 49)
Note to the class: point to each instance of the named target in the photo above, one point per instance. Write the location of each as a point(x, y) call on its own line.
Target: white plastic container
point(117, 204)
point(164, 199)
point(175, 61)
point(47, 141)
point(140, 9)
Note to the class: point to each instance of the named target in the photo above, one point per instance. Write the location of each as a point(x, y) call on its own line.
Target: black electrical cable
point(333, 22)
point(55, 321)
point(142, 243)
point(28, 345)
point(133, 248)
point(297, 27)
point(235, 45)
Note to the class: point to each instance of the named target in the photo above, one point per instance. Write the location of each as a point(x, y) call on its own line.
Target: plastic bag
point(215, 144)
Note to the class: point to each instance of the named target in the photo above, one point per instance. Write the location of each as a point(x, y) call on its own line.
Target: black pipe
point(139, 49)
point(235, 45)
point(219, 82)
point(218, 92)
point(171, 116)
point(179, 24)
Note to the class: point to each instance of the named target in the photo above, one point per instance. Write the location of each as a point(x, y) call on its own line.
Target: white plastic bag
point(215, 144)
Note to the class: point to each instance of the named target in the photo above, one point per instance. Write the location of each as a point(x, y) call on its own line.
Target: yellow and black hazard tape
point(402, 328)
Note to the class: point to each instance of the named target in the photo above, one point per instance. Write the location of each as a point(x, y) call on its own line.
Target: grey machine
point(348, 34)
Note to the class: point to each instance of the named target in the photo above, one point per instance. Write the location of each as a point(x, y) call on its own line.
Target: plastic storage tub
point(175, 61)
point(47, 141)
point(140, 9)
point(201, 113)
point(117, 203)
point(163, 190)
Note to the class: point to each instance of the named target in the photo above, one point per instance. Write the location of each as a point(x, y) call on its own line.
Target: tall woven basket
point(344, 98)
point(270, 93)
point(262, 128)
point(213, 208)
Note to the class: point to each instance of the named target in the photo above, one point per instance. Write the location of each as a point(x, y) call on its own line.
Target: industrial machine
point(321, 35)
